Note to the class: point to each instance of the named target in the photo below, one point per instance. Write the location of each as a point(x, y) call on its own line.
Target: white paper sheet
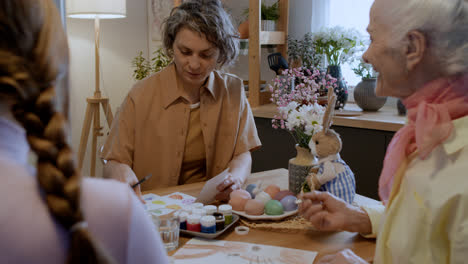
point(229, 252)
point(209, 191)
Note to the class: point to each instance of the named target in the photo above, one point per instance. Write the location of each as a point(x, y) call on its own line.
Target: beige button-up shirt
point(150, 129)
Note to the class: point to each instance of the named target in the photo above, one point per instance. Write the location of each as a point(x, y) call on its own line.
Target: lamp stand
point(92, 112)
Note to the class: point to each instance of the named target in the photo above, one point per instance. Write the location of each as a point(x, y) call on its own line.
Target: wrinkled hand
point(346, 256)
point(123, 173)
point(325, 211)
point(226, 187)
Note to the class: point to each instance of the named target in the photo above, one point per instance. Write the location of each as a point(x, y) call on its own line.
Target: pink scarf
point(430, 112)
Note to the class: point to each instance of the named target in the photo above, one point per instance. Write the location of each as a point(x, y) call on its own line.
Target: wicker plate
point(265, 216)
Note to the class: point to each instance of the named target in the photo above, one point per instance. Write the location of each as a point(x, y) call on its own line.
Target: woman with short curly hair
point(190, 121)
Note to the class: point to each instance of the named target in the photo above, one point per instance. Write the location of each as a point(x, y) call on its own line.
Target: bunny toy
point(333, 175)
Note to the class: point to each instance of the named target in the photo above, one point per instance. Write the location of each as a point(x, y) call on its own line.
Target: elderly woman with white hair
point(420, 49)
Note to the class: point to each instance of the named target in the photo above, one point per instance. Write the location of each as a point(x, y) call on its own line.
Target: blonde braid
point(32, 93)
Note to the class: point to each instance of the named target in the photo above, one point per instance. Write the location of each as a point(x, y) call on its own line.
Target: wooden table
point(322, 242)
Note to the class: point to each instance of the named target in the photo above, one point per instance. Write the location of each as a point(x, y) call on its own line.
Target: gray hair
point(206, 17)
point(444, 23)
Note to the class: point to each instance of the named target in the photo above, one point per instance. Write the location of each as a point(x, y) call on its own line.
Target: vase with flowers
point(300, 114)
point(364, 92)
point(339, 46)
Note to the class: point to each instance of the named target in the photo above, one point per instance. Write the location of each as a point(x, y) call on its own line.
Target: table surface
point(322, 242)
point(386, 119)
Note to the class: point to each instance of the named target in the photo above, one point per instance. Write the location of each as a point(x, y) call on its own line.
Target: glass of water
point(168, 227)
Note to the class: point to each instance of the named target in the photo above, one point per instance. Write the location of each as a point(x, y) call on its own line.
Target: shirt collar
point(459, 137)
point(173, 87)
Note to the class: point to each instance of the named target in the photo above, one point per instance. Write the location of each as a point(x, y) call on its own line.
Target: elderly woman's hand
point(329, 213)
point(343, 257)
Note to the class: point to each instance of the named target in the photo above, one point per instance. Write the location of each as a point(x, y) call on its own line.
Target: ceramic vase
point(364, 95)
point(341, 90)
point(268, 25)
point(299, 168)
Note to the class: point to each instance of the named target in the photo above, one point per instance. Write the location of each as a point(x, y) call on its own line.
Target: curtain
point(320, 16)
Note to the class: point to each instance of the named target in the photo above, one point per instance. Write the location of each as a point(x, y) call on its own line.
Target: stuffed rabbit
point(333, 175)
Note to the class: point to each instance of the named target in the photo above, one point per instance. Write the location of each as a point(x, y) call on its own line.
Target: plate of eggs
point(270, 203)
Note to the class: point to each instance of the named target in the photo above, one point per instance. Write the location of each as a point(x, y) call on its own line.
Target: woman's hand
point(329, 213)
point(346, 256)
point(225, 188)
point(123, 173)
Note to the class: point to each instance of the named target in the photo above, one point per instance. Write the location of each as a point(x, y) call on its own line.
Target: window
point(350, 14)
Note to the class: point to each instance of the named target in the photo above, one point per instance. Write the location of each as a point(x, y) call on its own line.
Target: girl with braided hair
point(56, 217)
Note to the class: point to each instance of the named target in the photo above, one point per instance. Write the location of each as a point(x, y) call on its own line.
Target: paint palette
point(162, 205)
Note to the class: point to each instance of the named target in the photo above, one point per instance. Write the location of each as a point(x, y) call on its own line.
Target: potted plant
point(364, 92)
point(302, 53)
point(269, 16)
point(300, 115)
point(338, 45)
point(143, 67)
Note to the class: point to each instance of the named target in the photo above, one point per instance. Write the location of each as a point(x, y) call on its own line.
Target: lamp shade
point(90, 9)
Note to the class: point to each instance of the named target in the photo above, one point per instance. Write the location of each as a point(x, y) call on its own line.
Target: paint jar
point(187, 209)
point(210, 209)
point(226, 210)
point(208, 224)
point(183, 220)
point(200, 211)
point(219, 217)
point(197, 206)
point(193, 223)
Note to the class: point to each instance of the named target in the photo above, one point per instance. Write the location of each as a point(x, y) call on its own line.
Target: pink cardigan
point(28, 233)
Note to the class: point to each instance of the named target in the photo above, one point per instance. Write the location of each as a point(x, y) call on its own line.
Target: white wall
point(121, 39)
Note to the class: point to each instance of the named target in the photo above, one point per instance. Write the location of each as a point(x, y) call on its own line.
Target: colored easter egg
point(263, 197)
point(254, 207)
point(250, 189)
point(272, 190)
point(238, 199)
point(289, 203)
point(281, 194)
point(240, 193)
point(274, 207)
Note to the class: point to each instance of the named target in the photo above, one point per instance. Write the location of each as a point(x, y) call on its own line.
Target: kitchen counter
point(386, 119)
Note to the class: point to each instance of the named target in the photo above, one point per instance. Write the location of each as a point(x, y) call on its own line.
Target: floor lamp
point(95, 9)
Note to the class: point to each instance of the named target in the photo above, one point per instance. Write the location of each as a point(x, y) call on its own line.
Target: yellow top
point(194, 162)
point(427, 219)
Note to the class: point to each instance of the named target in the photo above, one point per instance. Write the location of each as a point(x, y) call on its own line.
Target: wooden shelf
point(272, 38)
point(258, 38)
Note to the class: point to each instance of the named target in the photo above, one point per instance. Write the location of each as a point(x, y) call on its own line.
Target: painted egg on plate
point(281, 194)
point(274, 207)
point(289, 203)
point(272, 190)
point(250, 188)
point(238, 199)
point(254, 207)
point(263, 197)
